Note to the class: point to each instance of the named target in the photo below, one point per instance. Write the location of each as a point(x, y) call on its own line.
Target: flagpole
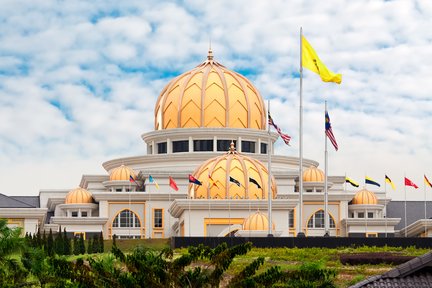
point(424, 189)
point(326, 224)
point(270, 146)
point(189, 206)
point(347, 215)
point(405, 208)
point(300, 218)
point(385, 205)
point(149, 212)
point(130, 212)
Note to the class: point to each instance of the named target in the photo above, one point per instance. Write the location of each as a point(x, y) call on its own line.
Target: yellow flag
point(311, 61)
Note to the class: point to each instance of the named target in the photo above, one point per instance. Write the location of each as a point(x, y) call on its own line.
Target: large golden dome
point(78, 196)
point(365, 197)
point(257, 221)
point(210, 96)
point(237, 166)
point(313, 174)
point(122, 173)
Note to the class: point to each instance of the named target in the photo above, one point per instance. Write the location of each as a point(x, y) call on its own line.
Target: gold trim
point(220, 221)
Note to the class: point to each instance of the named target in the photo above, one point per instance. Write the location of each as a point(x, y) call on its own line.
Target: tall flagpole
point(300, 218)
point(326, 222)
point(385, 206)
point(424, 188)
point(270, 149)
point(405, 208)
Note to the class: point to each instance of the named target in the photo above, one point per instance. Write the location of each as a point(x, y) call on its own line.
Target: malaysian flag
point(285, 137)
point(329, 131)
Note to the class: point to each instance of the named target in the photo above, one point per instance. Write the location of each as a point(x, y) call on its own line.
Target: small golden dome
point(122, 173)
point(364, 197)
point(78, 196)
point(210, 95)
point(257, 221)
point(313, 174)
point(244, 169)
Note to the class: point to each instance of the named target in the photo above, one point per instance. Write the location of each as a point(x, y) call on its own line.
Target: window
point(291, 219)
point(162, 148)
point(248, 146)
point(263, 148)
point(74, 213)
point(308, 190)
point(317, 220)
point(157, 218)
point(373, 234)
point(360, 215)
point(118, 189)
point(203, 145)
point(83, 213)
point(224, 145)
point(180, 146)
point(128, 237)
point(370, 215)
point(126, 218)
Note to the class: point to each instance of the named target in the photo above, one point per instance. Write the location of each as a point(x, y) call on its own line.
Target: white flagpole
point(405, 209)
point(347, 215)
point(424, 188)
point(270, 144)
point(189, 204)
point(385, 206)
point(326, 219)
point(149, 212)
point(130, 211)
point(300, 218)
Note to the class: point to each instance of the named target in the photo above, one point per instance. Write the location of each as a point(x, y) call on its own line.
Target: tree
point(101, 243)
point(50, 244)
point(90, 246)
point(58, 243)
point(66, 244)
point(76, 250)
point(81, 245)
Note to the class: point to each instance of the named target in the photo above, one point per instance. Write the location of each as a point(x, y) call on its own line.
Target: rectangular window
point(361, 215)
point(224, 145)
point(157, 218)
point(162, 148)
point(374, 235)
point(203, 145)
point(248, 146)
point(180, 146)
point(118, 190)
point(291, 219)
point(370, 215)
point(75, 214)
point(263, 148)
point(83, 213)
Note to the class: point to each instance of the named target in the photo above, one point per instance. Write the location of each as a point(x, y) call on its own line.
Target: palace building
point(209, 122)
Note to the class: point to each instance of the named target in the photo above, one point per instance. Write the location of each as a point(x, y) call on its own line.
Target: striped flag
point(388, 180)
point(285, 137)
point(427, 182)
point(329, 131)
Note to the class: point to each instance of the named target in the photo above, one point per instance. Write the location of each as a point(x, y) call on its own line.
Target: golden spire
point(210, 52)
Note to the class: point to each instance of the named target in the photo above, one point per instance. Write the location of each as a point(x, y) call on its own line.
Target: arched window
point(317, 220)
point(126, 218)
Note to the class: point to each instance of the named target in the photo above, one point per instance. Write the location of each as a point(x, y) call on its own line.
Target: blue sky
point(79, 80)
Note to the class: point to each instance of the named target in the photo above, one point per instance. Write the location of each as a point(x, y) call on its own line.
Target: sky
point(79, 81)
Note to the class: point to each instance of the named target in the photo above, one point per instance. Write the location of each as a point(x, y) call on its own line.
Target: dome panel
point(213, 89)
point(365, 197)
point(79, 196)
point(257, 221)
point(313, 174)
point(122, 173)
point(240, 168)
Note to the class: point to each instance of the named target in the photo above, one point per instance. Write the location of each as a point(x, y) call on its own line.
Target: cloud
point(79, 80)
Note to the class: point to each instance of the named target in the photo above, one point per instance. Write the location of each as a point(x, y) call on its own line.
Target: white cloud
point(79, 80)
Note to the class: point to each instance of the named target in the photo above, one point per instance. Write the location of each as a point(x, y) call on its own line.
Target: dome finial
point(232, 148)
point(210, 52)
